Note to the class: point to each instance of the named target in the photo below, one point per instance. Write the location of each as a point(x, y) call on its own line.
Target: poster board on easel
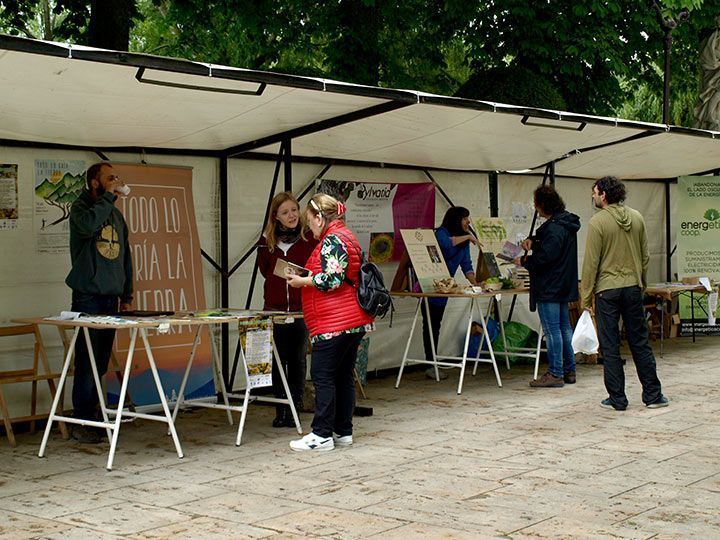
point(426, 257)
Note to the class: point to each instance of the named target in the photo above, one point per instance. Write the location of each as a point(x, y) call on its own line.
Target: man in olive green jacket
point(614, 275)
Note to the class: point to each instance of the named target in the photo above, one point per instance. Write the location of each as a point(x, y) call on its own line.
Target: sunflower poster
point(377, 212)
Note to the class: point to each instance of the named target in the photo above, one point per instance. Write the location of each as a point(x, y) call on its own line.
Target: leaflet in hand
point(285, 268)
point(510, 251)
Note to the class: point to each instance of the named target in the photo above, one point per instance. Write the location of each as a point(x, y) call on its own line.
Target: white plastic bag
point(585, 338)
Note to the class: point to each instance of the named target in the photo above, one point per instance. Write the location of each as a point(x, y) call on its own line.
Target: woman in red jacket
point(336, 323)
point(283, 238)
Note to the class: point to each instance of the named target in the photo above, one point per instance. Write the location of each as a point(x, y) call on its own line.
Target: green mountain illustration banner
point(57, 184)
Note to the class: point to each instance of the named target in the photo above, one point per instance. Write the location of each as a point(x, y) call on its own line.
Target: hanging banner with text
point(377, 212)
point(160, 216)
point(698, 226)
point(698, 243)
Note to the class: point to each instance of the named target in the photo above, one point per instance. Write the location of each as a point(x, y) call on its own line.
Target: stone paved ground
point(508, 462)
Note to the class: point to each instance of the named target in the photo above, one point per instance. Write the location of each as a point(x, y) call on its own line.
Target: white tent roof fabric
point(78, 96)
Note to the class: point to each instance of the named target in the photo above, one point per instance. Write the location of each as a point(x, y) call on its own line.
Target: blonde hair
point(326, 206)
point(277, 201)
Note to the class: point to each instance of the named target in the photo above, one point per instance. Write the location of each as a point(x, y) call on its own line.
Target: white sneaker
point(342, 440)
point(313, 442)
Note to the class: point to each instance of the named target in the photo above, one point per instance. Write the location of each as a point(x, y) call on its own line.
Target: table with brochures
point(139, 327)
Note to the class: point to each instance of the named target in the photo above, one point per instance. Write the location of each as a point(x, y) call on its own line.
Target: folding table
point(461, 361)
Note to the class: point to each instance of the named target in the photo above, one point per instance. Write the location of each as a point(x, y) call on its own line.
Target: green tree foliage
point(602, 57)
point(99, 23)
point(58, 20)
point(514, 85)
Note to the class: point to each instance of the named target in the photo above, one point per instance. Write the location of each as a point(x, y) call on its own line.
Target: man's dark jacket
point(101, 258)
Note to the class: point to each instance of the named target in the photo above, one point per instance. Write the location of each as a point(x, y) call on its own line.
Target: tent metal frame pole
point(668, 237)
point(284, 157)
point(438, 187)
point(310, 185)
point(287, 166)
point(284, 149)
point(224, 261)
point(317, 126)
point(494, 194)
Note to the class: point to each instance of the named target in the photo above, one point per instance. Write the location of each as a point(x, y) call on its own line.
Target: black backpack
point(372, 295)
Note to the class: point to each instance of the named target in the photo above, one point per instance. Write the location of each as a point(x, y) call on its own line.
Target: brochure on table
point(426, 257)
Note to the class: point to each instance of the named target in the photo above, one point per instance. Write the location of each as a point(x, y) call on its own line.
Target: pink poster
point(377, 212)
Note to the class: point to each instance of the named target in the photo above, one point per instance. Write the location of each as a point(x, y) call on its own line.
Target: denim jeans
point(84, 394)
point(291, 341)
point(436, 316)
point(331, 369)
point(610, 305)
point(558, 335)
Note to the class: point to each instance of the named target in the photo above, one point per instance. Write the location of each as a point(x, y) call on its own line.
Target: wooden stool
point(31, 375)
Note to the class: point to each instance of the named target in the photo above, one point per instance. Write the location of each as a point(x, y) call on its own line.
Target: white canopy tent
point(81, 100)
point(83, 97)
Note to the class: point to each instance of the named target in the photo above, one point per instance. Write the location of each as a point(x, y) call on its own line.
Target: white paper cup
point(124, 189)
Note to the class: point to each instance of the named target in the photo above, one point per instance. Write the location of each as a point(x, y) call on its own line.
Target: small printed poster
point(8, 196)
point(57, 184)
point(491, 233)
point(256, 343)
point(426, 257)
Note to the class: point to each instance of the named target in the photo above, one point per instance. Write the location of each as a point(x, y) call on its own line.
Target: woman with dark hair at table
point(336, 322)
point(284, 238)
point(553, 268)
point(454, 238)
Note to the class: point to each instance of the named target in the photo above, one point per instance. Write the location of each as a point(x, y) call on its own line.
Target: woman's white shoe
point(312, 442)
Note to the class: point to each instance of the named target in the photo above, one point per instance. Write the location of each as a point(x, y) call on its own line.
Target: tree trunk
point(47, 20)
point(110, 24)
point(354, 56)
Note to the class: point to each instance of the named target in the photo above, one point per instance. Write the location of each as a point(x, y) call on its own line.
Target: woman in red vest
point(335, 320)
point(284, 238)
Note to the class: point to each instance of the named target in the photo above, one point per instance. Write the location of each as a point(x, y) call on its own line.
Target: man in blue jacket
point(101, 281)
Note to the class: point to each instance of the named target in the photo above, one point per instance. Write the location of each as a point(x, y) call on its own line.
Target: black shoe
point(607, 404)
point(660, 402)
point(283, 418)
point(569, 377)
point(86, 434)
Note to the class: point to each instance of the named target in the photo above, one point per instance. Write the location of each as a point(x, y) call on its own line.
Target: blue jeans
point(558, 336)
point(84, 394)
